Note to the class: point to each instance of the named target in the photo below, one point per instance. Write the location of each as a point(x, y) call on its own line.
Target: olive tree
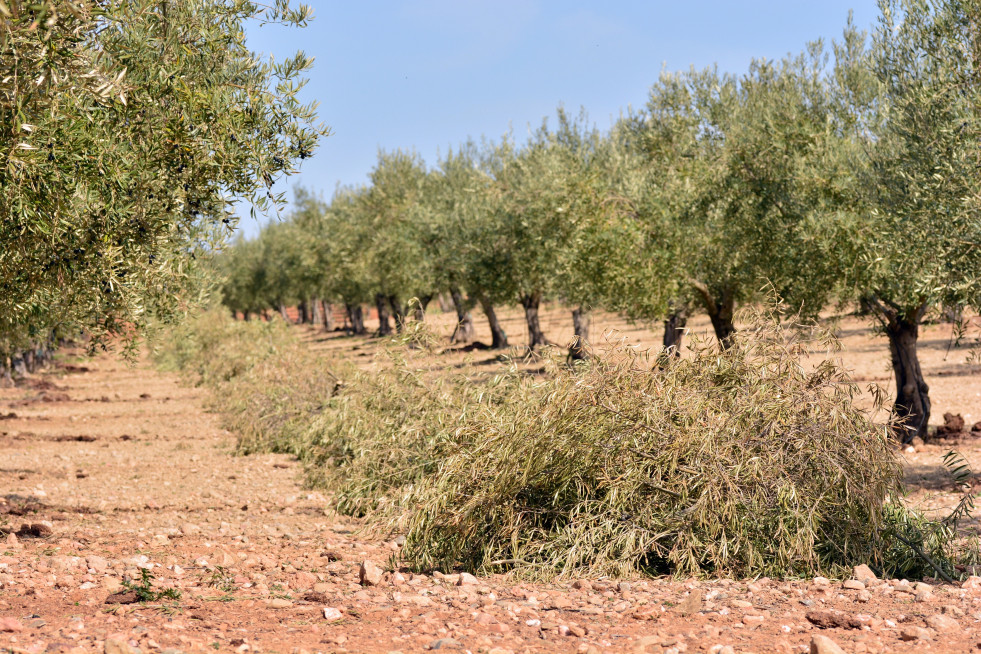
point(917, 120)
point(129, 130)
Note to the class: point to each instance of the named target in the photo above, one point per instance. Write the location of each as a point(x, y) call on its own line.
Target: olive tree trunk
point(911, 409)
point(463, 332)
point(381, 305)
point(674, 331)
point(398, 311)
point(303, 309)
point(419, 311)
point(579, 348)
point(355, 314)
point(327, 316)
point(499, 340)
point(720, 310)
point(535, 335)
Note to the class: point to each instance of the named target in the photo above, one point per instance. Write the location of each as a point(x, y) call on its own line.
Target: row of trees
point(828, 177)
point(127, 131)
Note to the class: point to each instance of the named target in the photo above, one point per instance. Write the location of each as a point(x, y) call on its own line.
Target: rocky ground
point(109, 471)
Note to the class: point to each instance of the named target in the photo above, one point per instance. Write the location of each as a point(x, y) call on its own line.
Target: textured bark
point(398, 311)
point(303, 309)
point(6, 380)
point(381, 305)
point(674, 331)
point(499, 340)
point(463, 333)
point(579, 348)
point(720, 310)
point(246, 316)
point(912, 404)
point(355, 314)
point(535, 335)
point(285, 314)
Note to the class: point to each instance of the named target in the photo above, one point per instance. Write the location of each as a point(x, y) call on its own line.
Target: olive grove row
point(849, 175)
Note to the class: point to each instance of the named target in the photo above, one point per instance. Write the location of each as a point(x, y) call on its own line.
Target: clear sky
point(428, 74)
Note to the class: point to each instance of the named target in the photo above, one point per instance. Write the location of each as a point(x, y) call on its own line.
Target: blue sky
point(428, 74)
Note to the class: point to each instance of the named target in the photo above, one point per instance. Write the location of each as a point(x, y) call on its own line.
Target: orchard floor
point(108, 468)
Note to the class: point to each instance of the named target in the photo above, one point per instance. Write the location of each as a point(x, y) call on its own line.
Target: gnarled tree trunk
point(579, 348)
point(355, 314)
point(720, 311)
point(535, 336)
point(499, 340)
point(381, 305)
point(912, 406)
point(674, 331)
point(463, 332)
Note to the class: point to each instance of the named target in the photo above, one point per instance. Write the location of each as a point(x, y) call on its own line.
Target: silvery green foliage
point(130, 129)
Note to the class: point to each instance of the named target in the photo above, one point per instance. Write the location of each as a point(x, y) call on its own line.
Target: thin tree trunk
point(535, 335)
point(463, 332)
point(398, 311)
point(246, 315)
point(579, 348)
point(6, 380)
point(17, 365)
point(302, 309)
point(499, 340)
point(316, 312)
point(720, 311)
point(284, 313)
point(355, 314)
point(327, 316)
point(674, 331)
point(381, 304)
point(912, 406)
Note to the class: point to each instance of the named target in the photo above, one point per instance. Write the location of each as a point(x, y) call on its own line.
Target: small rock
point(466, 579)
point(34, 530)
point(279, 603)
point(864, 574)
point(853, 584)
point(914, 633)
point(582, 584)
point(833, 620)
point(721, 649)
point(370, 574)
point(824, 645)
point(972, 583)
point(953, 424)
point(741, 604)
point(943, 624)
point(446, 643)
point(955, 611)
point(10, 625)
point(331, 614)
point(123, 597)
